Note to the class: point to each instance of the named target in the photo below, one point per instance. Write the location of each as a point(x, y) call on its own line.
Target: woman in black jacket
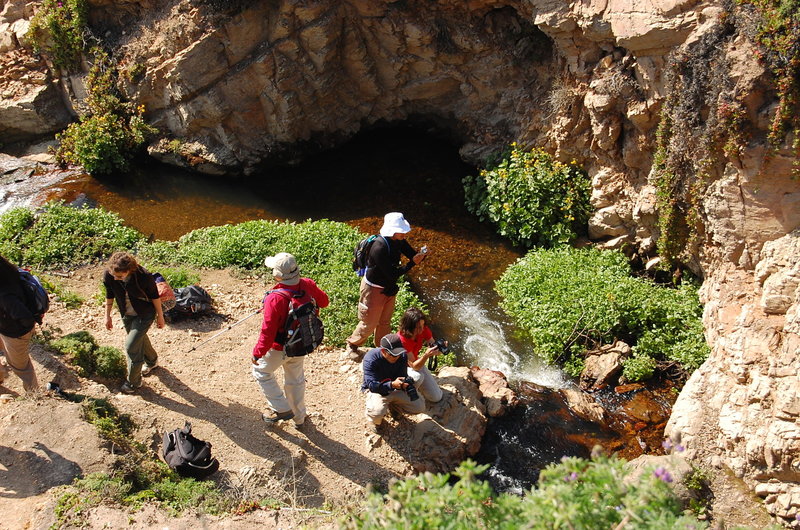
point(16, 325)
point(136, 294)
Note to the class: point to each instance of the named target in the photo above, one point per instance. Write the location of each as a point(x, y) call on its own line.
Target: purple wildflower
point(667, 444)
point(663, 475)
point(797, 516)
point(572, 477)
point(679, 448)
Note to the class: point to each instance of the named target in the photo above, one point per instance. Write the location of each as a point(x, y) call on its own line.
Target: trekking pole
point(231, 326)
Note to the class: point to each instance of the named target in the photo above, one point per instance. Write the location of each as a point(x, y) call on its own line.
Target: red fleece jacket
point(276, 309)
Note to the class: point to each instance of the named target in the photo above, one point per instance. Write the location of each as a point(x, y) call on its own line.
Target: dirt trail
point(328, 461)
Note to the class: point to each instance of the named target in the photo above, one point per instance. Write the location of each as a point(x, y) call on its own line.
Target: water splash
point(484, 340)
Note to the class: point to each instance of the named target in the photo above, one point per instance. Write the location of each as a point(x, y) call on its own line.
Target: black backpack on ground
point(304, 328)
point(187, 455)
point(191, 301)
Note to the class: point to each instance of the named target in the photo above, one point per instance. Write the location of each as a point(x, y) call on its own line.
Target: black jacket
point(141, 290)
point(383, 265)
point(15, 318)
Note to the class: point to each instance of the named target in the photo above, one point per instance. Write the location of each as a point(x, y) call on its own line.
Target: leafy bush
point(176, 277)
point(70, 299)
point(13, 224)
point(323, 250)
point(639, 367)
point(58, 28)
point(106, 138)
point(567, 300)
point(81, 349)
point(110, 362)
point(575, 494)
point(62, 235)
point(531, 198)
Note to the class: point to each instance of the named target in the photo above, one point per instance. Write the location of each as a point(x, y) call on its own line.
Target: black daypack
point(187, 455)
point(361, 252)
point(192, 300)
point(36, 299)
point(304, 328)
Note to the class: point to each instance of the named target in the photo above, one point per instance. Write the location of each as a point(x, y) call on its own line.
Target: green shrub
point(639, 368)
point(13, 224)
point(79, 349)
point(70, 299)
point(574, 494)
point(111, 425)
point(58, 29)
point(566, 300)
point(61, 235)
point(104, 140)
point(177, 277)
point(323, 250)
point(531, 198)
point(110, 363)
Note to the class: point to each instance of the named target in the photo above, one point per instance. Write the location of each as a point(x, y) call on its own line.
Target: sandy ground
point(328, 462)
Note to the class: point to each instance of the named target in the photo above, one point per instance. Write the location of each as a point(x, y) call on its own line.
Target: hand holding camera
point(442, 345)
point(411, 390)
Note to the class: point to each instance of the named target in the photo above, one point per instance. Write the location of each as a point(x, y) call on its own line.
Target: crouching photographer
point(387, 382)
point(414, 333)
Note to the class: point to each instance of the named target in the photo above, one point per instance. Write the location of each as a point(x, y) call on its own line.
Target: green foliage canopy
point(532, 199)
point(565, 300)
point(574, 494)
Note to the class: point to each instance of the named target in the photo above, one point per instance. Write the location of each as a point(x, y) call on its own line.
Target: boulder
point(603, 365)
point(453, 428)
point(497, 396)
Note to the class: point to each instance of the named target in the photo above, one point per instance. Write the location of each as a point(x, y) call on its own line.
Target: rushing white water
point(484, 342)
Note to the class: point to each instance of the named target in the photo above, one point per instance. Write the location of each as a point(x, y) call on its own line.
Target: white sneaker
point(148, 368)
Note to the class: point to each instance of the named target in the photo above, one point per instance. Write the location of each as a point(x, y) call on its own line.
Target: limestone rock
point(493, 385)
point(603, 365)
point(453, 428)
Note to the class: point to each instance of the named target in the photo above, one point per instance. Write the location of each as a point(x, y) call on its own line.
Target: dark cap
point(393, 344)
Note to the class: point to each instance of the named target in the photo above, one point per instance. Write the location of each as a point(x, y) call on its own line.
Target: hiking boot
point(148, 368)
point(274, 417)
point(127, 388)
point(354, 354)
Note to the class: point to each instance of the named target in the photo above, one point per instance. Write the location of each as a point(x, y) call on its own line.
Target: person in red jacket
point(268, 354)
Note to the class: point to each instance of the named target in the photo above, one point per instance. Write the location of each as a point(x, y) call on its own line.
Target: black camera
point(411, 390)
point(442, 346)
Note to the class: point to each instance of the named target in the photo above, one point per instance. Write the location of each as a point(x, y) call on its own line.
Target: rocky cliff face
point(248, 83)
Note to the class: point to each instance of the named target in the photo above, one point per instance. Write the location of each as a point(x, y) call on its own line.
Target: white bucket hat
point(284, 268)
point(394, 222)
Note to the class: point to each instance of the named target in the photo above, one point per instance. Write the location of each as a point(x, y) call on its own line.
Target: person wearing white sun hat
point(379, 284)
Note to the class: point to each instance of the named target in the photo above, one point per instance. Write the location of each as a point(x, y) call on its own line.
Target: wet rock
point(583, 405)
point(497, 396)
